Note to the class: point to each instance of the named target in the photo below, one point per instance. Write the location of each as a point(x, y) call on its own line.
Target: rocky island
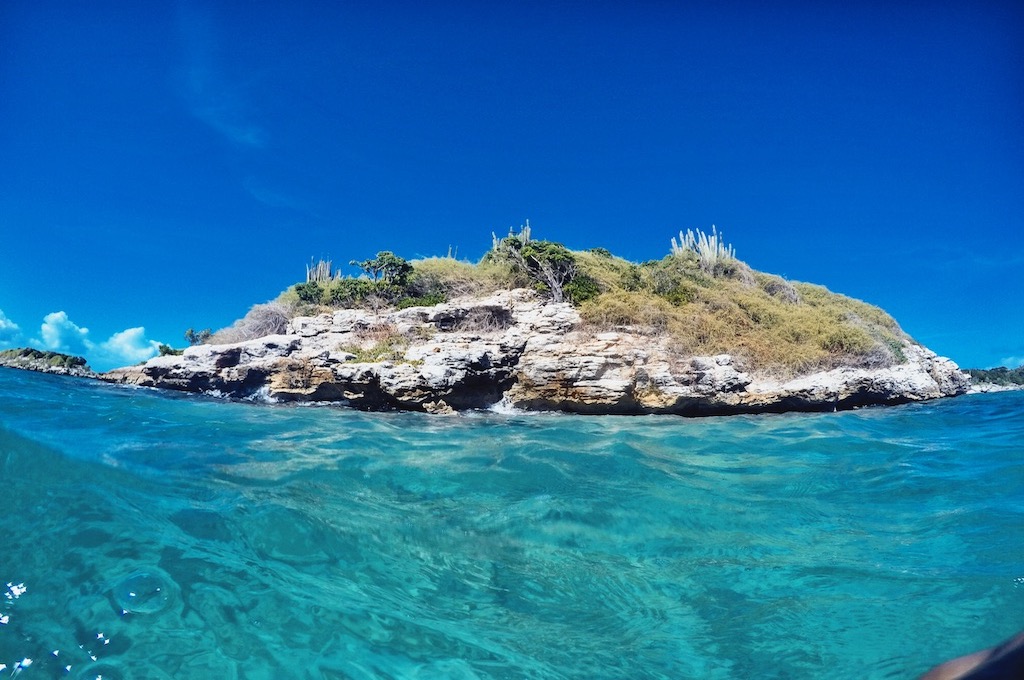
point(55, 363)
point(536, 326)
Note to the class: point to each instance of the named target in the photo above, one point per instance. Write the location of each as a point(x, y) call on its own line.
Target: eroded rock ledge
point(513, 348)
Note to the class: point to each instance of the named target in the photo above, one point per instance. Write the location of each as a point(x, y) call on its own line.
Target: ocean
point(158, 535)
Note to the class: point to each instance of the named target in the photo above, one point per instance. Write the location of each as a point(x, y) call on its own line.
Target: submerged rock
point(515, 348)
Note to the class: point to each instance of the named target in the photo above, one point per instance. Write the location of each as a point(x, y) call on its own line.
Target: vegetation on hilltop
point(699, 298)
point(998, 376)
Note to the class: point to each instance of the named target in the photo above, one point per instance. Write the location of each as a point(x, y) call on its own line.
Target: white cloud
point(130, 346)
point(60, 334)
point(1012, 362)
point(10, 333)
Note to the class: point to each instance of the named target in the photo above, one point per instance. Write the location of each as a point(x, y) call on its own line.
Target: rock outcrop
point(514, 348)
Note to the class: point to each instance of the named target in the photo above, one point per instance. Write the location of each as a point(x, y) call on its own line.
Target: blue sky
point(166, 165)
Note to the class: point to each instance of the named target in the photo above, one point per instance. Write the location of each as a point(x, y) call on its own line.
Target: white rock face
point(515, 348)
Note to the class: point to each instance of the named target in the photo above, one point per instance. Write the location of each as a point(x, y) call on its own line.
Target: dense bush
point(581, 288)
point(349, 292)
point(311, 291)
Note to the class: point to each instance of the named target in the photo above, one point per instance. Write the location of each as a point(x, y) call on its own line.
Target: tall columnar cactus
point(523, 236)
point(319, 272)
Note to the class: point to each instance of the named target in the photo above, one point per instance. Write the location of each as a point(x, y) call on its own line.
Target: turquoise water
point(181, 537)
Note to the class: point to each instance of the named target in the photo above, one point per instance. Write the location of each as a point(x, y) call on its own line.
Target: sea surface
point(156, 535)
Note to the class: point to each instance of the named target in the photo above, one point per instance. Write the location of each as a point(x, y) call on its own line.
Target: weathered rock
point(515, 348)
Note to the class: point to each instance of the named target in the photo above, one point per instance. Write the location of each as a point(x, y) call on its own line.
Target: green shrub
point(309, 292)
point(632, 279)
point(581, 288)
point(677, 297)
point(167, 350)
point(349, 292)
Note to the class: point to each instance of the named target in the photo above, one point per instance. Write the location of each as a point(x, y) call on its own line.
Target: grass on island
point(700, 299)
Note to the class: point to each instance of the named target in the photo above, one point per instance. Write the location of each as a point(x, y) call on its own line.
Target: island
point(43, 361)
point(538, 327)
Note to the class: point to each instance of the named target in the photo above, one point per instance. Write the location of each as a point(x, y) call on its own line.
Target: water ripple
point(203, 538)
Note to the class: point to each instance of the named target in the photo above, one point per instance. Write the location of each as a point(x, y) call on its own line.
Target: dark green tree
point(386, 268)
point(548, 264)
point(195, 337)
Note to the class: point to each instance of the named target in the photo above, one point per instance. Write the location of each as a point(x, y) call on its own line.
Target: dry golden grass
point(458, 278)
point(767, 323)
point(622, 309)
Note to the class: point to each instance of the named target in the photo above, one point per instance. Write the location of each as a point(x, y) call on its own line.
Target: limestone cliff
point(515, 348)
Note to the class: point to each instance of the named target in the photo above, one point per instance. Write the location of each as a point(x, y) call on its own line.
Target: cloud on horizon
point(58, 333)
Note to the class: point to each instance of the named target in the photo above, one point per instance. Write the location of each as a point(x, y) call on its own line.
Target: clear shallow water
point(176, 537)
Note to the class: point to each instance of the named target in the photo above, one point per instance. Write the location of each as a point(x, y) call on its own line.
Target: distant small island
point(537, 326)
point(42, 361)
point(996, 379)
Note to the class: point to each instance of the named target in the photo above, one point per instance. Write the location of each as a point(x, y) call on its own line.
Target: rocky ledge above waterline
point(514, 348)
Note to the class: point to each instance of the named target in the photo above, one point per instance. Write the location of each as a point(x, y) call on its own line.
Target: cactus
point(319, 272)
point(523, 236)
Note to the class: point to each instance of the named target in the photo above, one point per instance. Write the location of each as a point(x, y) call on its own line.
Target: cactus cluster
point(320, 272)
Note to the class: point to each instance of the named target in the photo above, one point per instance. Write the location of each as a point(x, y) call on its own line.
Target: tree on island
point(386, 268)
point(195, 337)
